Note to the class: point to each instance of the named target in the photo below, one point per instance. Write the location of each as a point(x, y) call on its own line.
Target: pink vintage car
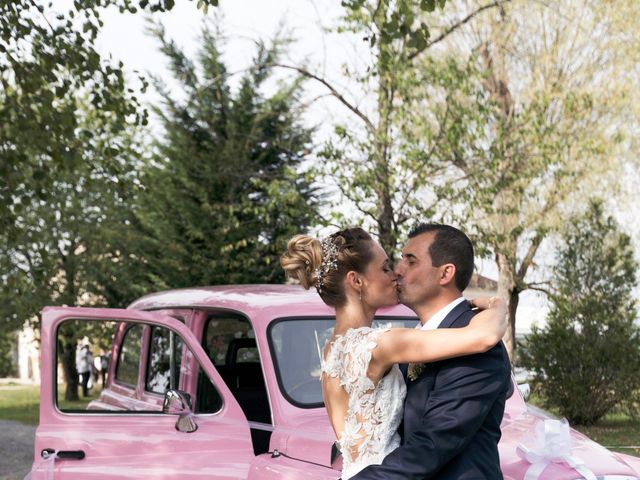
point(222, 382)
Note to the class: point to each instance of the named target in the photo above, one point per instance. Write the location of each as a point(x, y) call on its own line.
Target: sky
point(125, 37)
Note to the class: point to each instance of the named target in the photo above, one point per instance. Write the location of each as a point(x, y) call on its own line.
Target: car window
point(296, 345)
point(129, 356)
point(165, 358)
point(222, 332)
point(82, 350)
point(231, 345)
point(82, 387)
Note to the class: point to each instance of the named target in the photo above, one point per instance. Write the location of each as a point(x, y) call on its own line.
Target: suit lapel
point(404, 367)
point(453, 315)
point(430, 368)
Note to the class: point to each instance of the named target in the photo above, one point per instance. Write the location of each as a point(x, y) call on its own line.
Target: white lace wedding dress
point(374, 411)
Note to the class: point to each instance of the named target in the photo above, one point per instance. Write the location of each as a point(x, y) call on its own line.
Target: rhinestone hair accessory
point(329, 261)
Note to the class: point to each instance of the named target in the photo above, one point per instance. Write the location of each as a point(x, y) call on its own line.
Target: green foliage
point(66, 158)
point(587, 358)
point(384, 167)
point(48, 55)
point(226, 192)
point(60, 249)
point(392, 21)
point(48, 59)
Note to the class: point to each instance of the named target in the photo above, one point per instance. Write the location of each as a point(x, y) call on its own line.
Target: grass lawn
point(22, 402)
point(616, 431)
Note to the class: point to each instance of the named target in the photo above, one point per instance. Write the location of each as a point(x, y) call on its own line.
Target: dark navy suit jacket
point(452, 417)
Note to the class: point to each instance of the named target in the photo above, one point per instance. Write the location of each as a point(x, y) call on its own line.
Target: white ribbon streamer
point(46, 464)
point(552, 445)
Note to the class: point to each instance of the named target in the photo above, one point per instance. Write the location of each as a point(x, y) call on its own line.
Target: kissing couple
point(446, 380)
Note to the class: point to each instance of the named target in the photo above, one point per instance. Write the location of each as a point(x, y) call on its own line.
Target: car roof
point(214, 296)
point(274, 300)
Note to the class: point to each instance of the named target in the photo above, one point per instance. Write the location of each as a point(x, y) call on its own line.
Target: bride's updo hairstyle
point(325, 263)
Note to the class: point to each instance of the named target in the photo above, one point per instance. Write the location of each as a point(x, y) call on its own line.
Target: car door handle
point(63, 454)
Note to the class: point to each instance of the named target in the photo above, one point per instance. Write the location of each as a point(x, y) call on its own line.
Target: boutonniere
point(415, 369)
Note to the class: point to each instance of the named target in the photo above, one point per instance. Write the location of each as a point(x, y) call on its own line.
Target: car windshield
point(296, 346)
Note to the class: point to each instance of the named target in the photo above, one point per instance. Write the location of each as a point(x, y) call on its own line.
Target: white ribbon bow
point(552, 445)
point(46, 464)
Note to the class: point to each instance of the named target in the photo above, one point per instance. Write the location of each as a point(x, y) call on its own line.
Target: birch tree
point(384, 153)
point(553, 123)
point(502, 118)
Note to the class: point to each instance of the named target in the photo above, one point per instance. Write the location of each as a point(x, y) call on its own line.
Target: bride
point(362, 386)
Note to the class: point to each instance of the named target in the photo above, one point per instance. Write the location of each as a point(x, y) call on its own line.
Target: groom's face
point(418, 279)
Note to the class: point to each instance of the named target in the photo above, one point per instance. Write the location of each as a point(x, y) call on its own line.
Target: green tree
point(48, 68)
point(539, 124)
point(383, 163)
point(226, 192)
point(499, 122)
point(587, 357)
point(64, 153)
point(60, 249)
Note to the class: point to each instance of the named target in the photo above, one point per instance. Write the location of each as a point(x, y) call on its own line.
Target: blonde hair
point(303, 261)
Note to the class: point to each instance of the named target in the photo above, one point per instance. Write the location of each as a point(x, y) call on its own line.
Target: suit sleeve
point(466, 388)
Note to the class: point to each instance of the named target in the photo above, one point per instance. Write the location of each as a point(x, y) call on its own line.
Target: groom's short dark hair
point(450, 245)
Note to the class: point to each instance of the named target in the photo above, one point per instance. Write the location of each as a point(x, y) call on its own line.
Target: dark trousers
point(85, 383)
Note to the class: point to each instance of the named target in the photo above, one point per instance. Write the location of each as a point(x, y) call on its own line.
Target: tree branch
point(538, 288)
point(416, 173)
point(333, 91)
point(528, 258)
point(457, 25)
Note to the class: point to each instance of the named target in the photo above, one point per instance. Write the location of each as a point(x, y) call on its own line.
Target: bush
point(587, 358)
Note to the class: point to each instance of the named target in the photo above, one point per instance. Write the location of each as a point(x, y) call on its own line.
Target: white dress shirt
point(435, 321)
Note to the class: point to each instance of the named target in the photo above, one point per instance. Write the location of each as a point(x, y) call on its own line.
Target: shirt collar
point(435, 321)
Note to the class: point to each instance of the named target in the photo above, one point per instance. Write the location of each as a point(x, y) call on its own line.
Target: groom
point(453, 408)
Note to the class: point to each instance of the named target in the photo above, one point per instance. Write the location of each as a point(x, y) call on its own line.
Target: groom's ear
point(447, 274)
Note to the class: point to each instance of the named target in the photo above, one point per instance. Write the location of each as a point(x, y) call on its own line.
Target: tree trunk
point(68, 352)
point(68, 343)
point(508, 291)
point(387, 235)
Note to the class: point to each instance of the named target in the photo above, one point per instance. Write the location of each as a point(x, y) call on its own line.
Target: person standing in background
point(84, 365)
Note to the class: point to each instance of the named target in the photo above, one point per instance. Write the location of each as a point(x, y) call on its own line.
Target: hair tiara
point(329, 260)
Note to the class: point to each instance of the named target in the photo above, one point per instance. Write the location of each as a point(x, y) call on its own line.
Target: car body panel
point(137, 445)
point(519, 429)
point(301, 439)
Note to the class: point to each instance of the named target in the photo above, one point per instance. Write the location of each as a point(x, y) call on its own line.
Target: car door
point(139, 441)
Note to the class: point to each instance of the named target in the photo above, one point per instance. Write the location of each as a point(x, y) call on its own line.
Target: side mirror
point(525, 390)
point(178, 402)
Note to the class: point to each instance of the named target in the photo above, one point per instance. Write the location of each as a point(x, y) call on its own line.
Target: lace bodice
point(374, 411)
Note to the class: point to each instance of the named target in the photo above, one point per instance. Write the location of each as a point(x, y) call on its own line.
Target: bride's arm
point(404, 345)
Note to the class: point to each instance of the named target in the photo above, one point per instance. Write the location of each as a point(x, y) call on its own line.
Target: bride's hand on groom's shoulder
point(485, 303)
point(492, 320)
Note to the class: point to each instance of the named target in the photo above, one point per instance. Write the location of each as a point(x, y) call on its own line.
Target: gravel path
point(16, 449)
